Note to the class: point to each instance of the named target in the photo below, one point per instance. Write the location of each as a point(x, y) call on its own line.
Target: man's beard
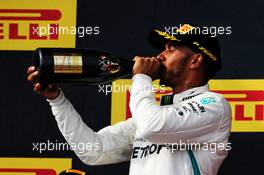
point(171, 77)
point(166, 77)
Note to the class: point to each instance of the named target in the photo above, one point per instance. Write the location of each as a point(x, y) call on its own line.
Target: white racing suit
point(155, 138)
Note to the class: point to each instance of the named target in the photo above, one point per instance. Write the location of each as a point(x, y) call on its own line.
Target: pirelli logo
point(253, 97)
point(34, 166)
point(24, 171)
point(21, 21)
point(30, 14)
point(246, 98)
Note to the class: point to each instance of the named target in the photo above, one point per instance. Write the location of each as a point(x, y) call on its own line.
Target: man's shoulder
point(210, 97)
point(212, 94)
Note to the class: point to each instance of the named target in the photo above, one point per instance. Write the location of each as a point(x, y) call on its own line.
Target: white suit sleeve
point(190, 121)
point(112, 144)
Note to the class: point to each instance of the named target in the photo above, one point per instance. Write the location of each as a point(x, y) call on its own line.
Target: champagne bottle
point(80, 66)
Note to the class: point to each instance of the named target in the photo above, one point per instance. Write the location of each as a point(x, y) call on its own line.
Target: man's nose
point(161, 57)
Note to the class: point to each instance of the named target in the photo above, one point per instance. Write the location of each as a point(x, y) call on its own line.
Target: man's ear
point(196, 61)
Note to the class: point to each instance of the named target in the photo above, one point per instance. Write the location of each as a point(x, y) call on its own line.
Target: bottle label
point(68, 64)
point(109, 64)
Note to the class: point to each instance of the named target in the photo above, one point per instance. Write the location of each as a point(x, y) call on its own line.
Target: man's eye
point(171, 49)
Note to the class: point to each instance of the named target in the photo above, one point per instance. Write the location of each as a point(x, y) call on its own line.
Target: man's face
point(174, 65)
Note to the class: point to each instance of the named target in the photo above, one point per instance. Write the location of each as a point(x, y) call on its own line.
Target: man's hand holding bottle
point(50, 92)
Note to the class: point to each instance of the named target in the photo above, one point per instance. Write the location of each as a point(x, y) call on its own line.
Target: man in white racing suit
point(187, 134)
